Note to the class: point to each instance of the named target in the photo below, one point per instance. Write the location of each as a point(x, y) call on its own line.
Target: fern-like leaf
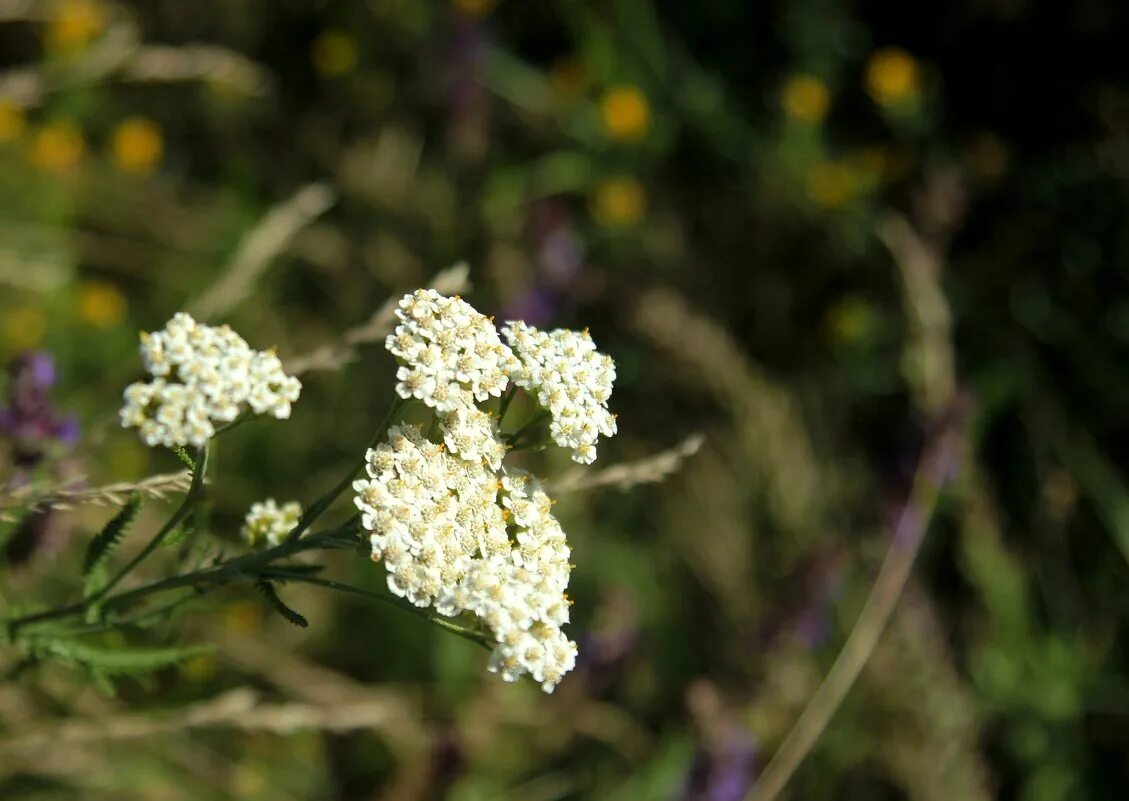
point(276, 603)
point(108, 538)
point(185, 457)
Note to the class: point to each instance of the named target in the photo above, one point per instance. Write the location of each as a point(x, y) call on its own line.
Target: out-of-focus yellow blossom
point(58, 147)
point(200, 668)
point(138, 145)
point(248, 781)
point(569, 76)
point(101, 305)
point(805, 98)
point(24, 327)
point(892, 76)
point(74, 24)
point(625, 113)
point(334, 53)
point(476, 8)
point(12, 121)
point(243, 616)
point(619, 202)
point(873, 162)
point(850, 320)
point(831, 183)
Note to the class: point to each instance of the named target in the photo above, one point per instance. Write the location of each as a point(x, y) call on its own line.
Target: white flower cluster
point(202, 375)
point(429, 512)
point(455, 536)
point(456, 529)
point(571, 379)
point(450, 353)
point(268, 522)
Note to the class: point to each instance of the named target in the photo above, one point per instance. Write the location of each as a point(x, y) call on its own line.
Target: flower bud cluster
point(202, 375)
point(571, 379)
point(450, 353)
point(267, 522)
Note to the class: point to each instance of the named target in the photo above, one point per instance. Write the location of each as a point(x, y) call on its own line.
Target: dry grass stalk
point(157, 486)
point(119, 54)
point(197, 62)
point(335, 355)
point(239, 709)
point(933, 743)
point(259, 247)
point(649, 470)
point(769, 426)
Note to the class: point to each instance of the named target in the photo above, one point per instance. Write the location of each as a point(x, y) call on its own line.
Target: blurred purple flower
point(30, 419)
point(535, 306)
point(560, 255)
point(558, 264)
point(725, 771)
point(606, 649)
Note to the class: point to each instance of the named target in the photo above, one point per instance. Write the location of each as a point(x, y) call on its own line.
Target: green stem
point(507, 399)
point(534, 420)
point(323, 502)
point(245, 566)
point(468, 634)
point(177, 518)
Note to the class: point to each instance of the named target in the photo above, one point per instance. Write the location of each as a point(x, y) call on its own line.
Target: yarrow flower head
point(450, 354)
point(455, 536)
point(571, 379)
point(202, 375)
point(267, 522)
point(457, 530)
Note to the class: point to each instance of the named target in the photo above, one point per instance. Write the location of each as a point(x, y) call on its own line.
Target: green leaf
point(184, 456)
point(276, 603)
point(179, 534)
point(118, 661)
point(108, 538)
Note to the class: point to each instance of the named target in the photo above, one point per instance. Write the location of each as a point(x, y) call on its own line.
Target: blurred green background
point(823, 234)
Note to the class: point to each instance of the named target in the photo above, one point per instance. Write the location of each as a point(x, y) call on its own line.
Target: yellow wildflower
point(12, 121)
point(831, 183)
point(892, 76)
point(852, 319)
point(619, 202)
point(243, 617)
point(334, 53)
point(138, 145)
point(24, 327)
point(625, 113)
point(74, 24)
point(805, 98)
point(101, 305)
point(200, 668)
point(58, 147)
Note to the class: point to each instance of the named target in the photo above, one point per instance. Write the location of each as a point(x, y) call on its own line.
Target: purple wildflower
point(725, 771)
point(30, 420)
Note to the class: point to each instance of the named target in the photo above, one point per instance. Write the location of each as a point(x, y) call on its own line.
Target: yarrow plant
point(202, 376)
point(465, 538)
point(267, 522)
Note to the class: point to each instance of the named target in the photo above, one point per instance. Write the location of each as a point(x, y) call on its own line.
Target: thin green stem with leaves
point(182, 512)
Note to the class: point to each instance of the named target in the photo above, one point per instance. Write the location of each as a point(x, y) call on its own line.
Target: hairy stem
point(446, 625)
point(323, 502)
point(248, 566)
point(190, 499)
